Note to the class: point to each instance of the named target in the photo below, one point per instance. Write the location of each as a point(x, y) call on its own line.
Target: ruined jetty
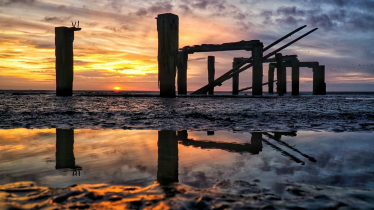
point(172, 60)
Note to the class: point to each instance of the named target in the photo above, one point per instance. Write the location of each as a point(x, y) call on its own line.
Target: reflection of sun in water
point(117, 88)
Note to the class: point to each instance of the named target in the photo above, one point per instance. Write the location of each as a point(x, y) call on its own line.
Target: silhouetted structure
point(255, 61)
point(64, 38)
point(65, 151)
point(281, 62)
point(168, 40)
point(211, 72)
point(254, 45)
point(182, 73)
point(167, 169)
point(235, 77)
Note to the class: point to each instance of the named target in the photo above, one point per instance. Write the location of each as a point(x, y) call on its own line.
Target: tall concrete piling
point(322, 85)
point(211, 72)
point(168, 41)
point(64, 38)
point(167, 168)
point(182, 73)
point(295, 76)
point(284, 79)
point(65, 148)
point(271, 79)
point(257, 71)
point(235, 77)
point(278, 58)
point(319, 85)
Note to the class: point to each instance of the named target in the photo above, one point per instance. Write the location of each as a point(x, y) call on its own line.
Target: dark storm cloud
point(55, 19)
point(341, 18)
point(9, 2)
point(290, 11)
point(156, 8)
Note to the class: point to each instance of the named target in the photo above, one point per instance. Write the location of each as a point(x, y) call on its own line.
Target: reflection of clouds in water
point(130, 157)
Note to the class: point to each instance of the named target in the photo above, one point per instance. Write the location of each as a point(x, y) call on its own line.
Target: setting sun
point(117, 88)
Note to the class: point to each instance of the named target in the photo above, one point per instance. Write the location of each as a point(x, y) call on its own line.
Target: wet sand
point(224, 195)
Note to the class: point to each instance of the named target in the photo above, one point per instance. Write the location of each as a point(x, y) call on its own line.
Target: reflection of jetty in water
point(168, 149)
point(65, 151)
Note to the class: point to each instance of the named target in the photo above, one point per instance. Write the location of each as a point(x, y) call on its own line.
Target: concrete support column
point(271, 79)
point(284, 79)
point(64, 38)
point(167, 168)
point(168, 41)
point(322, 80)
point(319, 85)
point(278, 58)
point(211, 72)
point(182, 72)
point(235, 78)
point(295, 76)
point(257, 70)
point(315, 80)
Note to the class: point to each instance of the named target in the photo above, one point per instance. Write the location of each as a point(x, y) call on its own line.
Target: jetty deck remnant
point(255, 46)
point(64, 37)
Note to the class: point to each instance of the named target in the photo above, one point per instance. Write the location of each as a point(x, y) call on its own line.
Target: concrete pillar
point(65, 149)
point(319, 85)
point(168, 38)
point(64, 38)
point(167, 168)
point(257, 70)
point(235, 78)
point(284, 79)
point(295, 76)
point(278, 58)
point(211, 72)
point(182, 72)
point(315, 80)
point(322, 80)
point(271, 79)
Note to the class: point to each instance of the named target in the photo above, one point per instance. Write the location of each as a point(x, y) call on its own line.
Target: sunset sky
point(117, 46)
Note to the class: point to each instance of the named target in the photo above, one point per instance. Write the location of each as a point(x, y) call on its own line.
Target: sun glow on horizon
point(117, 88)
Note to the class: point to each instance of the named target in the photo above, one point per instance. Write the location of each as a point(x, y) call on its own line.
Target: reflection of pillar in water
point(167, 170)
point(64, 148)
point(256, 142)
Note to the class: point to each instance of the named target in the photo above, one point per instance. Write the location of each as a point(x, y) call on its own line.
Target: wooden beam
point(248, 88)
point(242, 45)
point(167, 28)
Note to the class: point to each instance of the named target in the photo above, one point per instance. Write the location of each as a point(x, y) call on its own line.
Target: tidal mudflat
point(100, 152)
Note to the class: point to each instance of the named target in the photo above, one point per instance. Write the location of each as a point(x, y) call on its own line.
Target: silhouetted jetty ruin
point(64, 37)
point(172, 60)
